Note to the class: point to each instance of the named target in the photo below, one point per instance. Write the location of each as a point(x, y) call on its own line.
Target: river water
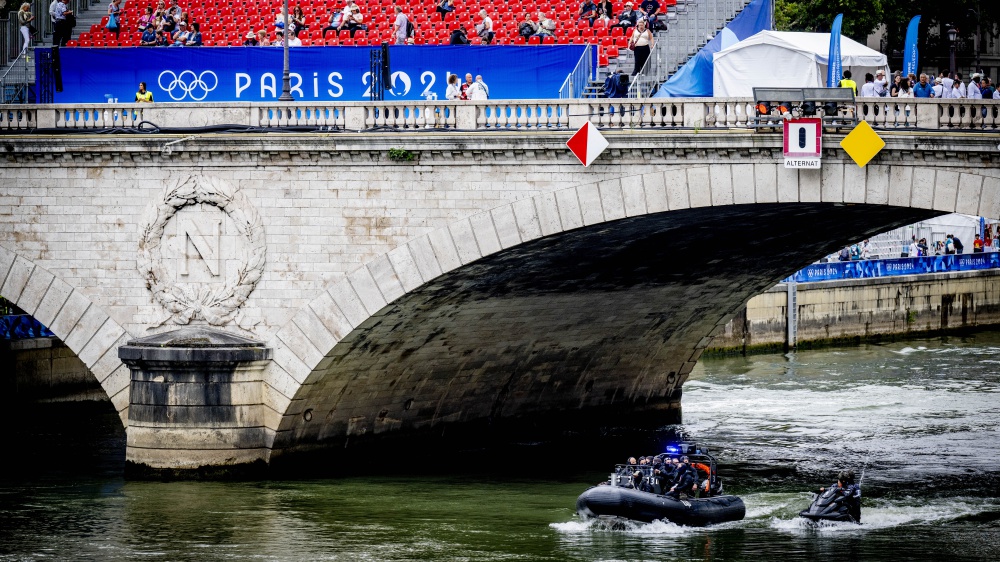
point(919, 417)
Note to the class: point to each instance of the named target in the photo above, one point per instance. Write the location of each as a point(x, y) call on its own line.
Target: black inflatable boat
point(615, 501)
point(831, 505)
point(633, 493)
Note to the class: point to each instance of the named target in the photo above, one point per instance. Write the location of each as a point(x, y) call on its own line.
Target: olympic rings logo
point(187, 83)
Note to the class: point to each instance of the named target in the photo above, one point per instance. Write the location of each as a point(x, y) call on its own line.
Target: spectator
point(148, 38)
point(453, 93)
point(977, 245)
point(588, 11)
point(180, 36)
point(627, 18)
point(903, 90)
point(161, 9)
point(478, 90)
point(604, 9)
point(881, 84)
point(988, 89)
point(651, 9)
point(64, 20)
point(262, 40)
point(52, 18)
point(24, 19)
point(946, 83)
point(465, 86)
point(114, 17)
point(545, 26)
point(485, 29)
point(974, 93)
point(962, 90)
point(355, 20)
point(527, 27)
point(458, 36)
point(194, 38)
point(445, 7)
point(161, 39)
point(250, 40)
point(298, 22)
point(938, 89)
point(171, 20)
point(400, 26)
point(641, 42)
point(868, 90)
point(281, 37)
point(923, 89)
point(336, 21)
point(279, 18)
point(147, 19)
point(846, 82)
point(896, 81)
point(143, 95)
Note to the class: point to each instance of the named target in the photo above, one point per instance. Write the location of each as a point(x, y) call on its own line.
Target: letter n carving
point(206, 244)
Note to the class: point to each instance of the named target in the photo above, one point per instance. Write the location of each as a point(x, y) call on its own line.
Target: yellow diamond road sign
point(862, 144)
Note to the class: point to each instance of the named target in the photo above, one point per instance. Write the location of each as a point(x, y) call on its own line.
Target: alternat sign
point(803, 143)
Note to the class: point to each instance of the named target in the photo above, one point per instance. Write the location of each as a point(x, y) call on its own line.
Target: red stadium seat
point(548, 40)
point(602, 60)
point(534, 40)
point(617, 32)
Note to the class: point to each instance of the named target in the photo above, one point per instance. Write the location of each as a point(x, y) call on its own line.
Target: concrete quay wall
point(45, 370)
point(856, 310)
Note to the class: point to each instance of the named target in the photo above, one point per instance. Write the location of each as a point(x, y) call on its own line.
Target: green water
point(920, 417)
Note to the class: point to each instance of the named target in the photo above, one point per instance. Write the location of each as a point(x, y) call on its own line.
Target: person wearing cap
point(881, 84)
point(250, 39)
point(974, 93)
point(181, 35)
point(355, 20)
point(627, 18)
point(148, 38)
point(938, 88)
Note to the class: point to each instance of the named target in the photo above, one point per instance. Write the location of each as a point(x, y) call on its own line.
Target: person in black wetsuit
point(685, 481)
point(850, 492)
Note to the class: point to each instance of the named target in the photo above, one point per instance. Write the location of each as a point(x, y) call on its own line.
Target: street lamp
point(952, 36)
point(286, 80)
point(979, 35)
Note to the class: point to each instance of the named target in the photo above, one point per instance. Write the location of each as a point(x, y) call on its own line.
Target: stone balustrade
point(522, 115)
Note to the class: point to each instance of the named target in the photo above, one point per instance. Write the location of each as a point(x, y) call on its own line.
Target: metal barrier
point(21, 327)
point(15, 81)
point(508, 115)
point(577, 80)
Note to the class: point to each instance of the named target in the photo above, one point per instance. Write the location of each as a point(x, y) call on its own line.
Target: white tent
point(784, 59)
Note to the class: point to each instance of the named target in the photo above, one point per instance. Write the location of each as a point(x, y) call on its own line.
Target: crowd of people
point(946, 85)
point(919, 247)
point(469, 90)
point(671, 476)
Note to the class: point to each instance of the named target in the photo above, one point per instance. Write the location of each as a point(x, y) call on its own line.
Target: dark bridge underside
point(591, 327)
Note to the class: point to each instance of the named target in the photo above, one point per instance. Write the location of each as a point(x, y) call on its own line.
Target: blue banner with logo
point(899, 266)
point(219, 74)
point(910, 55)
point(834, 62)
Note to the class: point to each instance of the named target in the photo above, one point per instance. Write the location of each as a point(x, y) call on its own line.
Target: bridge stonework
point(492, 281)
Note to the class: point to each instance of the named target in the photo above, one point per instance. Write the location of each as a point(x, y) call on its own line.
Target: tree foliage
point(862, 17)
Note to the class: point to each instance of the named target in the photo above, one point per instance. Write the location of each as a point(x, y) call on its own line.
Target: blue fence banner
point(865, 269)
point(694, 79)
point(910, 55)
point(22, 326)
point(226, 74)
point(834, 62)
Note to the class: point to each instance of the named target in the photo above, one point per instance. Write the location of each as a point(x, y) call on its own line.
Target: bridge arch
point(336, 373)
point(83, 326)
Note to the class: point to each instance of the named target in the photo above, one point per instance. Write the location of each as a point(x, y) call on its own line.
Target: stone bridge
point(410, 281)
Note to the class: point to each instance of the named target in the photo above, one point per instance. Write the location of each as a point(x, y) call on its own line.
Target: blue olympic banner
point(898, 266)
point(224, 74)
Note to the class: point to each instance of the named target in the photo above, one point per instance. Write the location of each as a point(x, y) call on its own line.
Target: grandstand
point(222, 24)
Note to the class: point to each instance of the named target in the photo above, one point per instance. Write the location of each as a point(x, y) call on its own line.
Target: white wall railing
point(507, 115)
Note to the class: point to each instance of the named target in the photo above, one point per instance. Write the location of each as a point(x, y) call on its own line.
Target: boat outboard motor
point(831, 505)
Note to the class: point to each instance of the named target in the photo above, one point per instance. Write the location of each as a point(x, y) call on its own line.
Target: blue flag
point(834, 63)
point(910, 55)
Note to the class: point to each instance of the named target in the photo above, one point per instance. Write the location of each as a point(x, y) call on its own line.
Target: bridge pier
point(195, 404)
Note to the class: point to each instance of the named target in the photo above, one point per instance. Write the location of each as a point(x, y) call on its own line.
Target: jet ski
point(830, 505)
point(632, 492)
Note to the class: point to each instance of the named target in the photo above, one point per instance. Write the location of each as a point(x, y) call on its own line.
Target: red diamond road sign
point(587, 144)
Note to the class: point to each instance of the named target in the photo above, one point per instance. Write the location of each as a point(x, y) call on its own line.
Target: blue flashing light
point(673, 449)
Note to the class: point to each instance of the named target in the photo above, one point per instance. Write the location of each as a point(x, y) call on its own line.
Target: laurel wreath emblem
point(187, 302)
